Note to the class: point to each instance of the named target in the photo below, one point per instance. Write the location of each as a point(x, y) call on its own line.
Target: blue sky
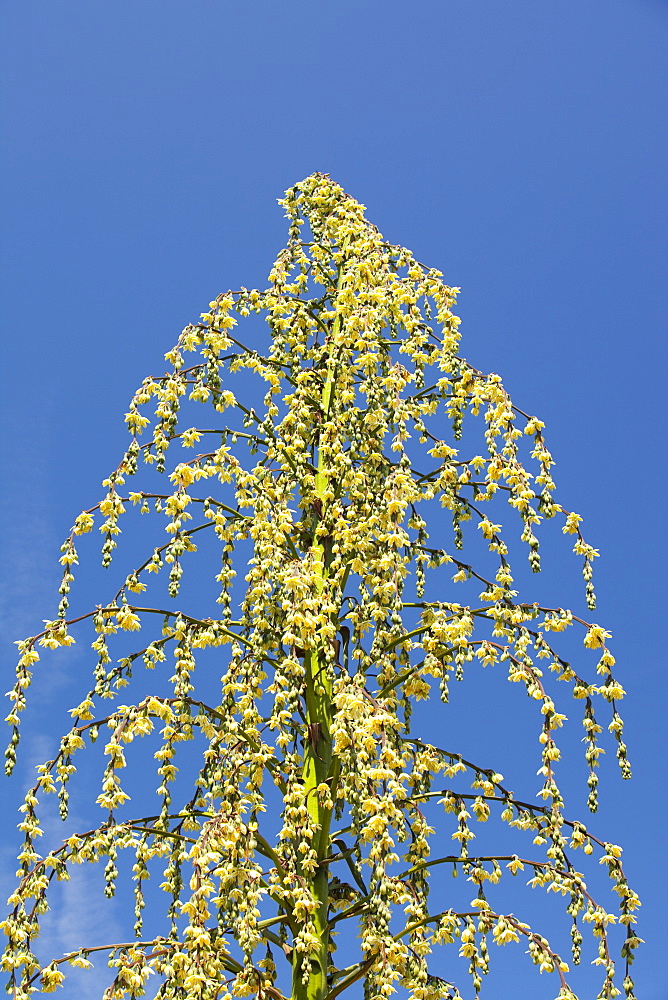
point(517, 145)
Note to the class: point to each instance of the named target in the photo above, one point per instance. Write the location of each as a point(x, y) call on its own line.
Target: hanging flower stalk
point(322, 495)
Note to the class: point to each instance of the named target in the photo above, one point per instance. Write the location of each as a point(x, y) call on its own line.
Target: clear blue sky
point(517, 145)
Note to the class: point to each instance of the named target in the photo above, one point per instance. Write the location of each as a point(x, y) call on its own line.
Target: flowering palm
point(346, 620)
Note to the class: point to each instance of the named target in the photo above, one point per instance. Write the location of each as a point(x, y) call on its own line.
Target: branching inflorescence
point(344, 622)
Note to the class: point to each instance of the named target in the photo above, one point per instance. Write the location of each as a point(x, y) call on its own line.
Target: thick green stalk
point(317, 765)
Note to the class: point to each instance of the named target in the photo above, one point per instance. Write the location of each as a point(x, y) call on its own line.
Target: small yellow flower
point(572, 524)
point(596, 637)
point(184, 475)
point(83, 523)
point(128, 620)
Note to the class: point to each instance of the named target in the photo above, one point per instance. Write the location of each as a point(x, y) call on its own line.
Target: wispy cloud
point(81, 917)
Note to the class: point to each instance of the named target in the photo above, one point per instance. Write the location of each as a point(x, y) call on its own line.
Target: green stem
point(317, 761)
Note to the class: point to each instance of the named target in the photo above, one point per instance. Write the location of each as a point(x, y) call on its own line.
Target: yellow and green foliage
point(322, 498)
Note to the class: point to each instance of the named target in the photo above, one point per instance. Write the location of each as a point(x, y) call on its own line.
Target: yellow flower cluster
point(335, 619)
